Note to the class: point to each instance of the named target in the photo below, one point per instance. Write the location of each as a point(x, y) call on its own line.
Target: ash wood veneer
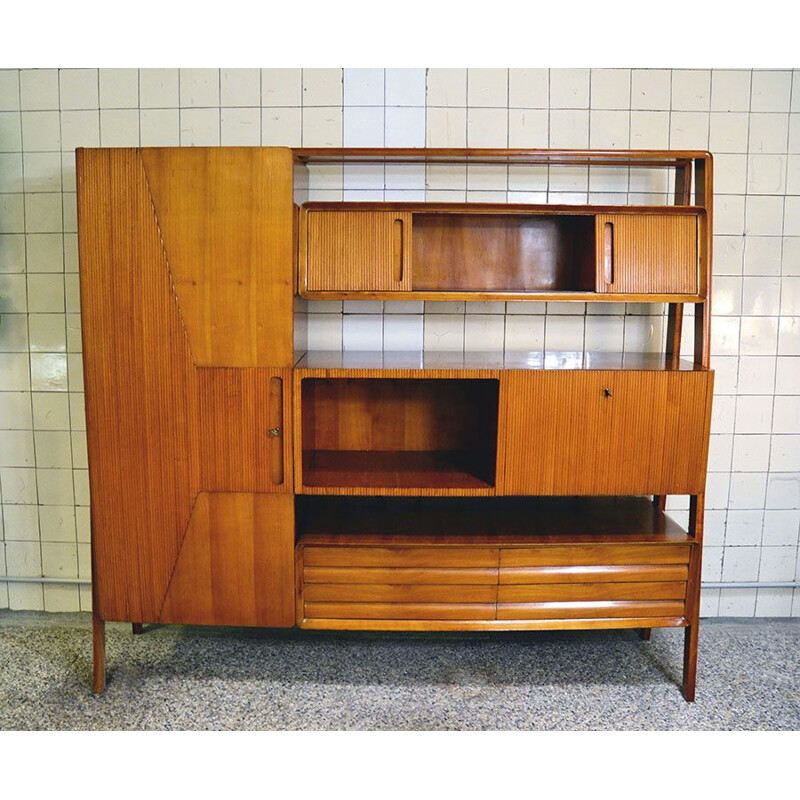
point(235, 482)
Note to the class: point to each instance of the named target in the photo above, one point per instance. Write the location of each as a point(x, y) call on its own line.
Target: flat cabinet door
point(358, 251)
point(599, 432)
point(646, 253)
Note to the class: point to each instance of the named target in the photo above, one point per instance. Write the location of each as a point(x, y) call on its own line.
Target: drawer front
point(368, 585)
point(646, 253)
point(593, 582)
point(357, 251)
point(604, 432)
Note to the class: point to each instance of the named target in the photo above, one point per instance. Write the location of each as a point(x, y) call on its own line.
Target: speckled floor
point(211, 679)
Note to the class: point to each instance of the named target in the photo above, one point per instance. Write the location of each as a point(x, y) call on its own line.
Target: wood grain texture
point(236, 565)
point(357, 250)
point(557, 624)
point(238, 409)
point(141, 389)
point(159, 428)
point(495, 252)
point(603, 432)
point(395, 432)
point(226, 219)
point(649, 254)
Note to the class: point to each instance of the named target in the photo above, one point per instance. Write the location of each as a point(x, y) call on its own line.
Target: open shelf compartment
point(398, 433)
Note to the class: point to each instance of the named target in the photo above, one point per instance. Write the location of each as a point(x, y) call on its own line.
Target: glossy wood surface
point(495, 252)
point(420, 575)
point(414, 363)
point(379, 432)
point(236, 564)
point(604, 432)
point(648, 254)
point(225, 217)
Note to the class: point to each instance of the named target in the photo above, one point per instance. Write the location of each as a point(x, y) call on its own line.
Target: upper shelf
point(478, 360)
point(428, 155)
point(461, 251)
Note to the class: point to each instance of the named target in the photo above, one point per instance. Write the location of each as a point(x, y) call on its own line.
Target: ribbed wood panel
point(141, 389)
point(236, 566)
point(226, 218)
point(649, 253)
point(358, 250)
point(239, 408)
point(604, 432)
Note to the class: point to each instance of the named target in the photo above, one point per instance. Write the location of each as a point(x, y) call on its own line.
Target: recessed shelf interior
point(485, 520)
point(503, 252)
point(399, 432)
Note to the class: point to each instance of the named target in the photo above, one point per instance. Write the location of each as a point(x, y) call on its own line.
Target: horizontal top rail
point(427, 155)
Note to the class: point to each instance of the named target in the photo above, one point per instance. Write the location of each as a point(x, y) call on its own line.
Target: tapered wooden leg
point(99, 653)
point(690, 661)
point(137, 628)
point(644, 634)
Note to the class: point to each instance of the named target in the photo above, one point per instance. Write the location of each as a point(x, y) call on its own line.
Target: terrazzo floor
point(182, 678)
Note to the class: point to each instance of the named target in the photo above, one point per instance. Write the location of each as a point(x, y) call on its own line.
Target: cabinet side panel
point(142, 416)
point(226, 218)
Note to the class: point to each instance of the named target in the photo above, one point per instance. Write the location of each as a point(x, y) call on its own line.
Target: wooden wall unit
point(235, 482)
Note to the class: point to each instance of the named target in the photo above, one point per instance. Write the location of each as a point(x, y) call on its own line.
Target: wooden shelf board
point(427, 155)
point(432, 360)
point(402, 469)
point(491, 522)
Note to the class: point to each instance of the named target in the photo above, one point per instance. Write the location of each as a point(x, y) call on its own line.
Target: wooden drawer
point(604, 432)
point(446, 587)
point(587, 582)
point(357, 251)
point(397, 587)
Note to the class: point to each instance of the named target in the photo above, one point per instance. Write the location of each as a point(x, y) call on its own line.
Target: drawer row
point(418, 587)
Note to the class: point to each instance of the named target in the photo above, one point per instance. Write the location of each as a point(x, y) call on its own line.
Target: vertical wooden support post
point(696, 515)
point(98, 632)
point(136, 628)
point(98, 653)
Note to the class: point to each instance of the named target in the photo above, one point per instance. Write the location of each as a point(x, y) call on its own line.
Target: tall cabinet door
point(604, 432)
point(647, 253)
point(186, 293)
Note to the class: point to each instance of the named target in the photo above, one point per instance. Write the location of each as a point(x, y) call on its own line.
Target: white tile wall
point(749, 119)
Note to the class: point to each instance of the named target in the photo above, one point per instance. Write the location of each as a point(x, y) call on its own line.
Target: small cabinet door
point(604, 432)
point(647, 253)
point(357, 251)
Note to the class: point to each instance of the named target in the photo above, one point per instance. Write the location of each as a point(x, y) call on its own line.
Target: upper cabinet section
point(478, 252)
point(471, 251)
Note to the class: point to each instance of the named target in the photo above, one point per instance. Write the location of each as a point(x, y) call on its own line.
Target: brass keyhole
point(274, 431)
point(607, 392)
